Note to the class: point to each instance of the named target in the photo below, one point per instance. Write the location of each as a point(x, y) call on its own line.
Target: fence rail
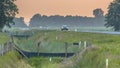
point(6, 47)
point(34, 54)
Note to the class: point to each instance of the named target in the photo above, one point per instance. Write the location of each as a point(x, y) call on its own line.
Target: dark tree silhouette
point(98, 12)
point(8, 10)
point(39, 20)
point(113, 15)
point(19, 22)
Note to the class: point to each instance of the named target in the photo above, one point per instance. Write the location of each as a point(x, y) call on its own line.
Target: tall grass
point(42, 62)
point(3, 38)
point(106, 46)
point(13, 60)
point(49, 43)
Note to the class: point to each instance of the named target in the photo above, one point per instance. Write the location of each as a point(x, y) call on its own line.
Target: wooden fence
point(6, 47)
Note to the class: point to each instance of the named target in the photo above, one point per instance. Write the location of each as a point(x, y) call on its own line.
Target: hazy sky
point(27, 8)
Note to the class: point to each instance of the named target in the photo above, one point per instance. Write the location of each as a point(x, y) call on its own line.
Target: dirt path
point(72, 61)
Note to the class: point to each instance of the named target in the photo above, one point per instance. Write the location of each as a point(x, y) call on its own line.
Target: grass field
point(11, 59)
point(51, 41)
point(103, 46)
point(91, 28)
point(3, 38)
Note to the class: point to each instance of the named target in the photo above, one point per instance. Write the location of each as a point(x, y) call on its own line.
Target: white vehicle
point(64, 27)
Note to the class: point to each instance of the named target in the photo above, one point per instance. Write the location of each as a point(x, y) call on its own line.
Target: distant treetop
point(98, 12)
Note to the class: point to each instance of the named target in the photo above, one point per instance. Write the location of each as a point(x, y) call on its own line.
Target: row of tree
point(78, 21)
point(8, 10)
point(19, 22)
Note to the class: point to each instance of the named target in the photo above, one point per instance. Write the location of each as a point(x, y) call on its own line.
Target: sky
point(27, 8)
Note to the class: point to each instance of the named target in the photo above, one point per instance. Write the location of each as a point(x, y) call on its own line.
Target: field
point(11, 59)
point(3, 38)
point(51, 41)
point(103, 46)
point(70, 28)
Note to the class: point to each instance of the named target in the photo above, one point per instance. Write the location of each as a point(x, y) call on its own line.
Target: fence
point(34, 54)
point(6, 47)
point(38, 53)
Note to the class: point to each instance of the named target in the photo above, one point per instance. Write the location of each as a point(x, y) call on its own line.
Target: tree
point(113, 15)
point(8, 10)
point(98, 12)
point(19, 22)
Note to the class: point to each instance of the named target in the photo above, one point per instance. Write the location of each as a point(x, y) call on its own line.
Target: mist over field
point(57, 21)
point(72, 21)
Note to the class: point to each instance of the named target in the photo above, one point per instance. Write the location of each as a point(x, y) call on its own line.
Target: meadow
point(11, 59)
point(3, 38)
point(103, 46)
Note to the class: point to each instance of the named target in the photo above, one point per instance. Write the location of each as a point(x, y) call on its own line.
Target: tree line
point(78, 21)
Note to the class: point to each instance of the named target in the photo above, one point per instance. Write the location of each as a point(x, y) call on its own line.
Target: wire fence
point(6, 47)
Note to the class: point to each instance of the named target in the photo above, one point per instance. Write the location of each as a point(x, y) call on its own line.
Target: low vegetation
point(13, 59)
point(51, 41)
point(103, 46)
point(43, 62)
point(3, 38)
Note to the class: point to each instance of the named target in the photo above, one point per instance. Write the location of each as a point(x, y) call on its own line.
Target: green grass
point(3, 38)
point(105, 46)
point(49, 43)
point(42, 62)
point(92, 28)
point(13, 60)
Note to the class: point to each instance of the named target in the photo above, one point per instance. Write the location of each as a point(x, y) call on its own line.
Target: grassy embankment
point(105, 46)
point(51, 41)
point(11, 59)
point(3, 38)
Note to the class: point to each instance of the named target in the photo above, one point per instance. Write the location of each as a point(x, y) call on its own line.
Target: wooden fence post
point(80, 44)
point(56, 38)
point(106, 62)
point(50, 59)
point(66, 46)
point(85, 44)
point(38, 48)
point(7, 47)
point(12, 40)
point(10, 46)
point(2, 49)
